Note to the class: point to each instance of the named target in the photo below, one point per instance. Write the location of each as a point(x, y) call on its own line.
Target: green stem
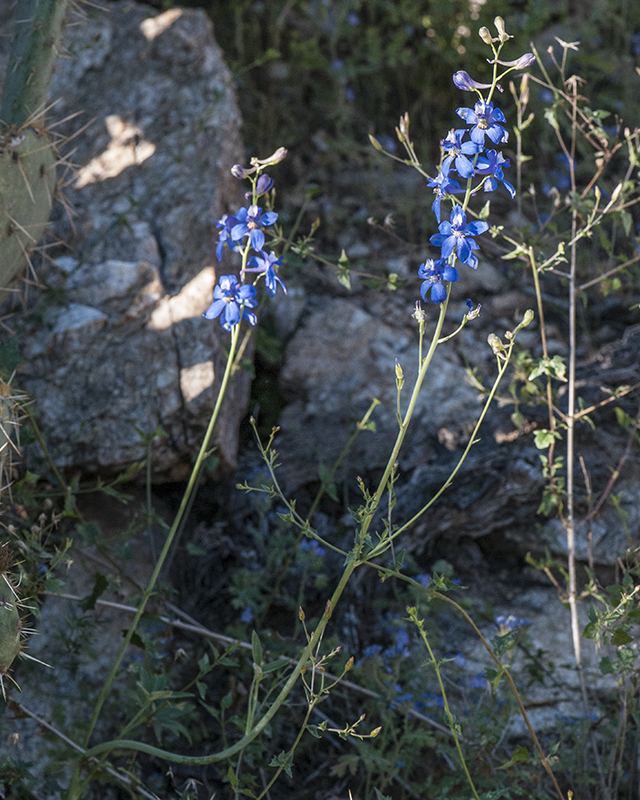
point(170, 536)
point(307, 653)
point(413, 614)
point(382, 546)
point(407, 417)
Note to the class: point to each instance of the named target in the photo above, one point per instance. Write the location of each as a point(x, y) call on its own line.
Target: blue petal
point(468, 115)
point(238, 231)
point(214, 309)
point(509, 188)
point(464, 250)
point(231, 316)
point(464, 166)
point(497, 134)
point(268, 218)
point(438, 293)
point(450, 274)
point(476, 228)
point(249, 316)
point(257, 239)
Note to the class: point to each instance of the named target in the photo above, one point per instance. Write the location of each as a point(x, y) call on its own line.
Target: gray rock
point(339, 360)
point(124, 347)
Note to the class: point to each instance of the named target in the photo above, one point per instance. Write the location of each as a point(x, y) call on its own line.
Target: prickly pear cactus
point(11, 411)
point(27, 185)
point(27, 159)
point(10, 622)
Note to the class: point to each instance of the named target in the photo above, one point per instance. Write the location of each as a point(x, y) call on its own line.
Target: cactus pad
point(27, 184)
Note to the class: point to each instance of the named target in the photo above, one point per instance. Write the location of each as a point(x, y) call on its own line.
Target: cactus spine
point(10, 622)
point(27, 158)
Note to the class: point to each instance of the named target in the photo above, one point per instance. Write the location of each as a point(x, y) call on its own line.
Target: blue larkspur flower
point(456, 236)
point(442, 185)
point(231, 302)
point(432, 274)
point(249, 222)
point(265, 264)
point(458, 152)
point(225, 223)
point(491, 163)
point(484, 119)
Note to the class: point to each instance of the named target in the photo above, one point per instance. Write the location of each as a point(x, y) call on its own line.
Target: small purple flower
point(432, 274)
point(402, 639)
point(371, 651)
point(484, 118)
point(247, 615)
point(456, 235)
point(492, 163)
point(458, 152)
point(265, 264)
point(424, 580)
point(311, 546)
point(249, 222)
point(442, 185)
point(510, 623)
point(230, 298)
point(478, 681)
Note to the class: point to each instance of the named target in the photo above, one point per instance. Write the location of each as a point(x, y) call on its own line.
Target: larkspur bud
point(528, 317)
point(502, 32)
point(349, 664)
point(376, 144)
point(404, 124)
point(239, 172)
point(301, 614)
point(264, 184)
point(463, 81)
point(519, 63)
point(399, 372)
point(276, 158)
point(496, 344)
point(485, 35)
point(525, 61)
